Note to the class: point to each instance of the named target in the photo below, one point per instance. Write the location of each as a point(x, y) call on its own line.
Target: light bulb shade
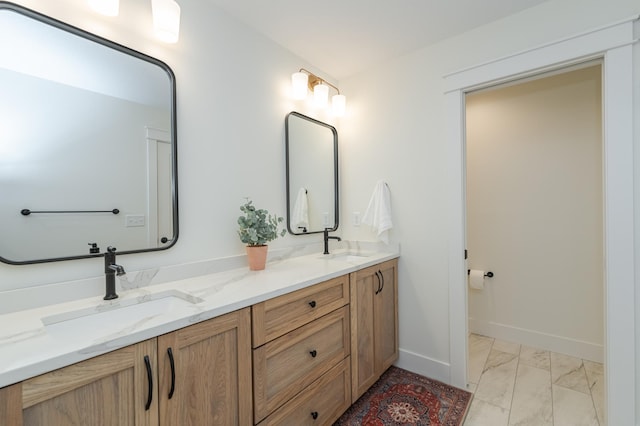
point(338, 105)
point(166, 20)
point(321, 95)
point(105, 7)
point(299, 82)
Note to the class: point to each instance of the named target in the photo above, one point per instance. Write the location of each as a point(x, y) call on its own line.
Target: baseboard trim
point(425, 366)
point(536, 339)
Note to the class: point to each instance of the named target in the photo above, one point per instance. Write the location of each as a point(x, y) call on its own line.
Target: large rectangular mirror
point(312, 175)
point(87, 143)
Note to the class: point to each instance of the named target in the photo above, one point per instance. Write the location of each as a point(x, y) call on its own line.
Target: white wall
point(397, 132)
point(233, 94)
point(534, 212)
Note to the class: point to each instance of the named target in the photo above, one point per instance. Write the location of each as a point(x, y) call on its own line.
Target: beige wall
point(534, 212)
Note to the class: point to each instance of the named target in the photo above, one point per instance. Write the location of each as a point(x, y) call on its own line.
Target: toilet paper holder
point(488, 274)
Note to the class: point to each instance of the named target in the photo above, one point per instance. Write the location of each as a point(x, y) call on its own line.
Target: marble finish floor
point(516, 385)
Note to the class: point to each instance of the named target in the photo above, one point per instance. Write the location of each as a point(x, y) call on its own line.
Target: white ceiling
point(343, 37)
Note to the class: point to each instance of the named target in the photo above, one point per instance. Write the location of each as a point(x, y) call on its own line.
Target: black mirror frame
point(5, 5)
point(335, 171)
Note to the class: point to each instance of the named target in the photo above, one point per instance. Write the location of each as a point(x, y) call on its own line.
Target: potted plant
point(257, 228)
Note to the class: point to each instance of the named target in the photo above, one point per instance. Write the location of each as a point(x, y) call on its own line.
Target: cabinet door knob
point(312, 303)
point(313, 353)
point(314, 414)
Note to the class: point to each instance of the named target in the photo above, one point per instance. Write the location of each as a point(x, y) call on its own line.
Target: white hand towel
point(378, 213)
point(300, 213)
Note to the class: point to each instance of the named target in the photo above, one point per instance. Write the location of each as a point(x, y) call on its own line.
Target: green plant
point(257, 226)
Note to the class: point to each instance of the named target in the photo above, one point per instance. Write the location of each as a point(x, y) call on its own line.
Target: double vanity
point(297, 344)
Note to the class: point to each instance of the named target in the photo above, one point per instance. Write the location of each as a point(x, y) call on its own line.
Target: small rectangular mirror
point(312, 175)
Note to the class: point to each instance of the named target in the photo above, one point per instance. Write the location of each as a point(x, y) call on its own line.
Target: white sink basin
point(349, 257)
point(113, 316)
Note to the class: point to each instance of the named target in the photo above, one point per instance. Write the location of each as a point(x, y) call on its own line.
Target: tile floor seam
point(595, 410)
point(553, 414)
point(513, 390)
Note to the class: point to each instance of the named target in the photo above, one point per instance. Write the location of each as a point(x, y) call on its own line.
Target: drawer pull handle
point(314, 414)
point(147, 363)
point(313, 353)
point(173, 372)
point(379, 277)
point(312, 303)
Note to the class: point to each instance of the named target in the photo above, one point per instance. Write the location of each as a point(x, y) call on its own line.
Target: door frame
point(613, 44)
point(153, 137)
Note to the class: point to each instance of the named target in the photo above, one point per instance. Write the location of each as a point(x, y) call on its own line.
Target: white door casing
point(613, 45)
point(159, 203)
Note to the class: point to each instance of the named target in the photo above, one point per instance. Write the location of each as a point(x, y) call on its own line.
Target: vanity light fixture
point(105, 7)
point(166, 20)
point(321, 94)
point(166, 16)
point(304, 80)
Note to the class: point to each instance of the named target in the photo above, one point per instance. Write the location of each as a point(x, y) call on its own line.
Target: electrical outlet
point(325, 219)
point(356, 218)
point(134, 220)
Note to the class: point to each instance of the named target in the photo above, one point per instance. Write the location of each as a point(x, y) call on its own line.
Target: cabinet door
point(374, 324)
point(386, 317)
point(111, 389)
point(363, 370)
point(11, 405)
point(212, 373)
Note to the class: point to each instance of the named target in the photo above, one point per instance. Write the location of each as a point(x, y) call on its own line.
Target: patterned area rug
point(400, 397)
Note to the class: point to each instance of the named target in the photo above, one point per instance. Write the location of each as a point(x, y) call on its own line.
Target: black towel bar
point(27, 212)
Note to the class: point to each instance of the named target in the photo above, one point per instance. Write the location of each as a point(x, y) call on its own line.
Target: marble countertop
point(42, 339)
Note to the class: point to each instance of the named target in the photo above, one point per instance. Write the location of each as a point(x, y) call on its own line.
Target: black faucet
point(111, 270)
point(326, 239)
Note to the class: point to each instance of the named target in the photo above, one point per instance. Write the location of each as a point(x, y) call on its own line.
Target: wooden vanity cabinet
point(310, 353)
point(212, 386)
point(374, 324)
point(301, 364)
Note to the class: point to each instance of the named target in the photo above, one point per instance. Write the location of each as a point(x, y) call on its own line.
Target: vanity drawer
point(285, 366)
point(322, 403)
point(278, 316)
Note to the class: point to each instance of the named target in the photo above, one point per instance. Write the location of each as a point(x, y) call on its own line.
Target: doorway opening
point(534, 211)
point(613, 44)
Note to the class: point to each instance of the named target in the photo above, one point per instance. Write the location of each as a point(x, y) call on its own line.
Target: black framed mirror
point(312, 175)
point(88, 143)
